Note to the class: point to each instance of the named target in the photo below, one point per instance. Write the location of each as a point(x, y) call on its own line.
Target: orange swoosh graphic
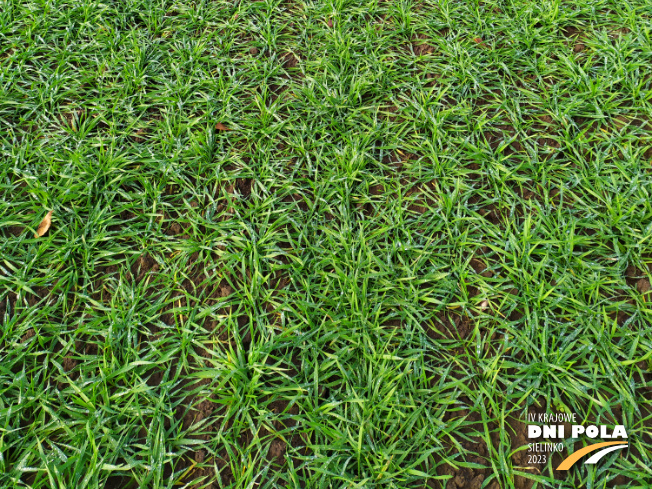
point(571, 459)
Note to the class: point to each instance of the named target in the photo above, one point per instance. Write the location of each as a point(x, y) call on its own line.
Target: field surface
point(337, 244)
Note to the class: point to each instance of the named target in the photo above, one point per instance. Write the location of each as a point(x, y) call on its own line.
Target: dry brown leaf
point(221, 127)
point(330, 22)
point(44, 226)
point(478, 40)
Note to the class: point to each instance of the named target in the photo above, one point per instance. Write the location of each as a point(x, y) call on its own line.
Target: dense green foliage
point(425, 219)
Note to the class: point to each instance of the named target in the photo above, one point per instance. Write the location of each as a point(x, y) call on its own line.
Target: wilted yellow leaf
point(44, 226)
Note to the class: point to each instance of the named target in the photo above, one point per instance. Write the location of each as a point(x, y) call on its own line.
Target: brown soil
point(450, 325)
point(423, 193)
point(289, 61)
point(119, 482)
point(517, 432)
point(420, 45)
point(143, 266)
point(474, 450)
point(69, 363)
point(140, 136)
point(30, 334)
point(575, 38)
